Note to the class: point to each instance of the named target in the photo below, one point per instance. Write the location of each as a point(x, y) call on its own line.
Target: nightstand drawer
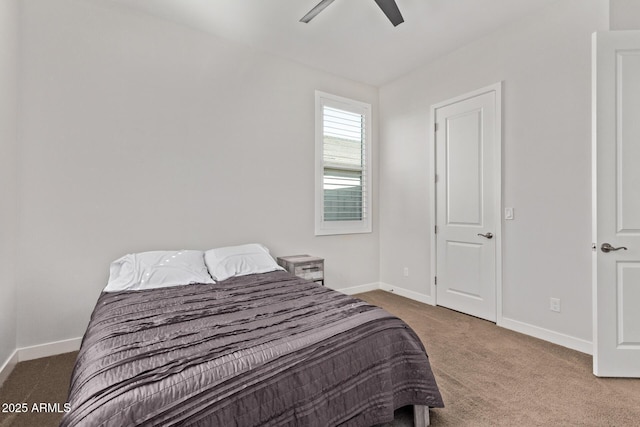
point(305, 266)
point(313, 271)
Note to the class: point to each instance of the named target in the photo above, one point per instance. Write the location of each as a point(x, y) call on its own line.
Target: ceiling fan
point(389, 7)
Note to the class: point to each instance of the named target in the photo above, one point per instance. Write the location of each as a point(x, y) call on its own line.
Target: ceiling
point(350, 38)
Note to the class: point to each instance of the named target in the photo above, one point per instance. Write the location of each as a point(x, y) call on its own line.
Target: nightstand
point(304, 266)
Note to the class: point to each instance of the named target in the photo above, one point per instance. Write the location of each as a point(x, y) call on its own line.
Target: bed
point(262, 349)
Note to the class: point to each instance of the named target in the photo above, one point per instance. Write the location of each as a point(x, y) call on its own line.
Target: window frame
point(322, 227)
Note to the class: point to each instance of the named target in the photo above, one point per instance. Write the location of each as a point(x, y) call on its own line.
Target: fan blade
point(390, 8)
point(316, 10)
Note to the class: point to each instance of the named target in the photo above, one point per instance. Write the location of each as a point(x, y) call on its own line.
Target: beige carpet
point(488, 376)
point(33, 382)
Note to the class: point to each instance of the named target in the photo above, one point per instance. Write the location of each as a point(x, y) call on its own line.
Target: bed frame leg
point(420, 415)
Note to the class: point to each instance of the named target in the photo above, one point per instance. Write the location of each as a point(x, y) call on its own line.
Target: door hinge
point(435, 280)
point(435, 229)
point(436, 178)
point(435, 127)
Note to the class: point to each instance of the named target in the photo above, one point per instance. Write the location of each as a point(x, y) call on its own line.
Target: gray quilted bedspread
point(261, 350)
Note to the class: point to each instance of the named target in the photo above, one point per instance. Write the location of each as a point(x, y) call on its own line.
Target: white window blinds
point(343, 159)
point(344, 146)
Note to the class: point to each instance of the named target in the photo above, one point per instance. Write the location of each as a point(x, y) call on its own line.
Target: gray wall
point(8, 185)
point(545, 64)
point(139, 135)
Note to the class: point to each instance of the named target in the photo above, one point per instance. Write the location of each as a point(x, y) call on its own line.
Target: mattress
point(265, 349)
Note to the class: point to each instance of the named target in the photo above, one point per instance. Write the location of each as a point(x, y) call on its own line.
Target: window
point(343, 157)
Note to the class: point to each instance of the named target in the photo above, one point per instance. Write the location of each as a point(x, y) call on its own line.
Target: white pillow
point(239, 261)
point(157, 269)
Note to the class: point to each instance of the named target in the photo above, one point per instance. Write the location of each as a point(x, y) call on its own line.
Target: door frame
point(497, 88)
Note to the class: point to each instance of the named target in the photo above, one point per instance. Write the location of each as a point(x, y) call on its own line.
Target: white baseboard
point(554, 337)
point(360, 289)
point(48, 349)
point(36, 352)
point(416, 296)
point(388, 288)
point(568, 341)
point(8, 366)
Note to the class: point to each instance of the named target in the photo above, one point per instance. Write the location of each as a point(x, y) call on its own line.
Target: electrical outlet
point(554, 304)
point(406, 272)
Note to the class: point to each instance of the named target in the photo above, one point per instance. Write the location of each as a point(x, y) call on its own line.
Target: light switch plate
point(508, 213)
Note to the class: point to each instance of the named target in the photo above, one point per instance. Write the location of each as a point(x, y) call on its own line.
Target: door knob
point(606, 247)
point(488, 235)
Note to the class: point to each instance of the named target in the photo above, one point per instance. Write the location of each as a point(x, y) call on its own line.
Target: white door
point(467, 145)
point(616, 202)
